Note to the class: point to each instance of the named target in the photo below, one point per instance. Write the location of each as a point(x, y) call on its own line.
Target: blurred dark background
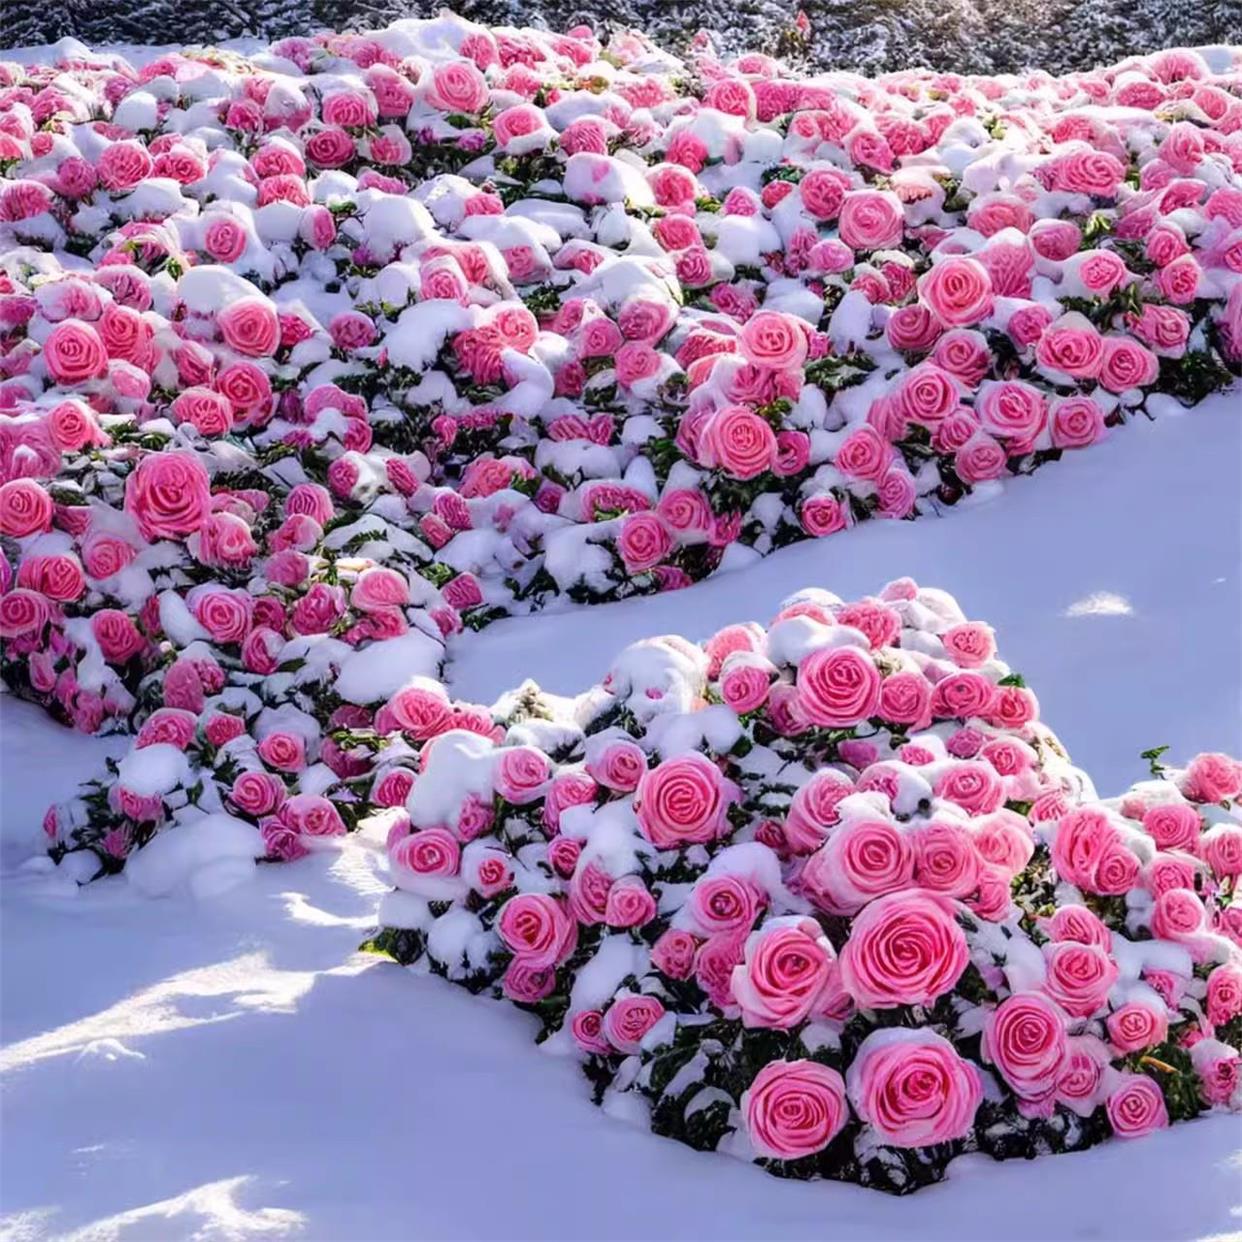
point(873, 35)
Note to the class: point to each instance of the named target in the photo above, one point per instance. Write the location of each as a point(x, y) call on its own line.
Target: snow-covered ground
point(227, 1068)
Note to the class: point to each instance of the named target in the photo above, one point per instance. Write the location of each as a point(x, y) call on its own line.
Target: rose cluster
point(172, 571)
point(827, 894)
point(640, 317)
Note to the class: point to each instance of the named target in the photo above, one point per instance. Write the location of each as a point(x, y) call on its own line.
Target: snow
point(223, 1066)
point(208, 855)
point(370, 674)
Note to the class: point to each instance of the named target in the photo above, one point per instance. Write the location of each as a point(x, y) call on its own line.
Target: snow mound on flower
point(206, 856)
point(826, 894)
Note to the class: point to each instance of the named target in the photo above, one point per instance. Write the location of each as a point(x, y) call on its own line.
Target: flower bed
point(828, 895)
point(313, 358)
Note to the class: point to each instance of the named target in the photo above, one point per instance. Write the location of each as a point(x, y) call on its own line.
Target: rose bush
point(850, 950)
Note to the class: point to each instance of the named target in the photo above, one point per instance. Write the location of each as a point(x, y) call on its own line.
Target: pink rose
point(673, 954)
point(1178, 915)
point(1219, 1069)
point(521, 774)
point(794, 1109)
point(458, 86)
point(525, 984)
point(168, 495)
point(1012, 410)
point(838, 687)
point(1222, 850)
point(980, 460)
point(945, 859)
point(1136, 1026)
point(250, 326)
point(257, 793)
point(823, 192)
point(1126, 364)
point(774, 340)
point(1077, 923)
point(926, 394)
point(1084, 835)
point(958, 290)
point(822, 515)
point(1076, 422)
point(73, 352)
point(227, 615)
point(871, 220)
point(1173, 825)
point(971, 644)
point(25, 508)
point(723, 903)
point(587, 1028)
point(629, 904)
point(788, 965)
point(864, 454)
point(286, 752)
point(739, 442)
point(745, 681)
point(1224, 993)
point(224, 238)
point(1213, 778)
point(682, 801)
point(1079, 976)
point(644, 542)
point(1071, 347)
point(1136, 1106)
point(1026, 1038)
point(628, 1019)
point(429, 852)
point(913, 1088)
point(904, 949)
point(118, 638)
point(537, 929)
point(905, 699)
point(860, 861)
point(618, 766)
point(813, 810)
point(1082, 1073)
